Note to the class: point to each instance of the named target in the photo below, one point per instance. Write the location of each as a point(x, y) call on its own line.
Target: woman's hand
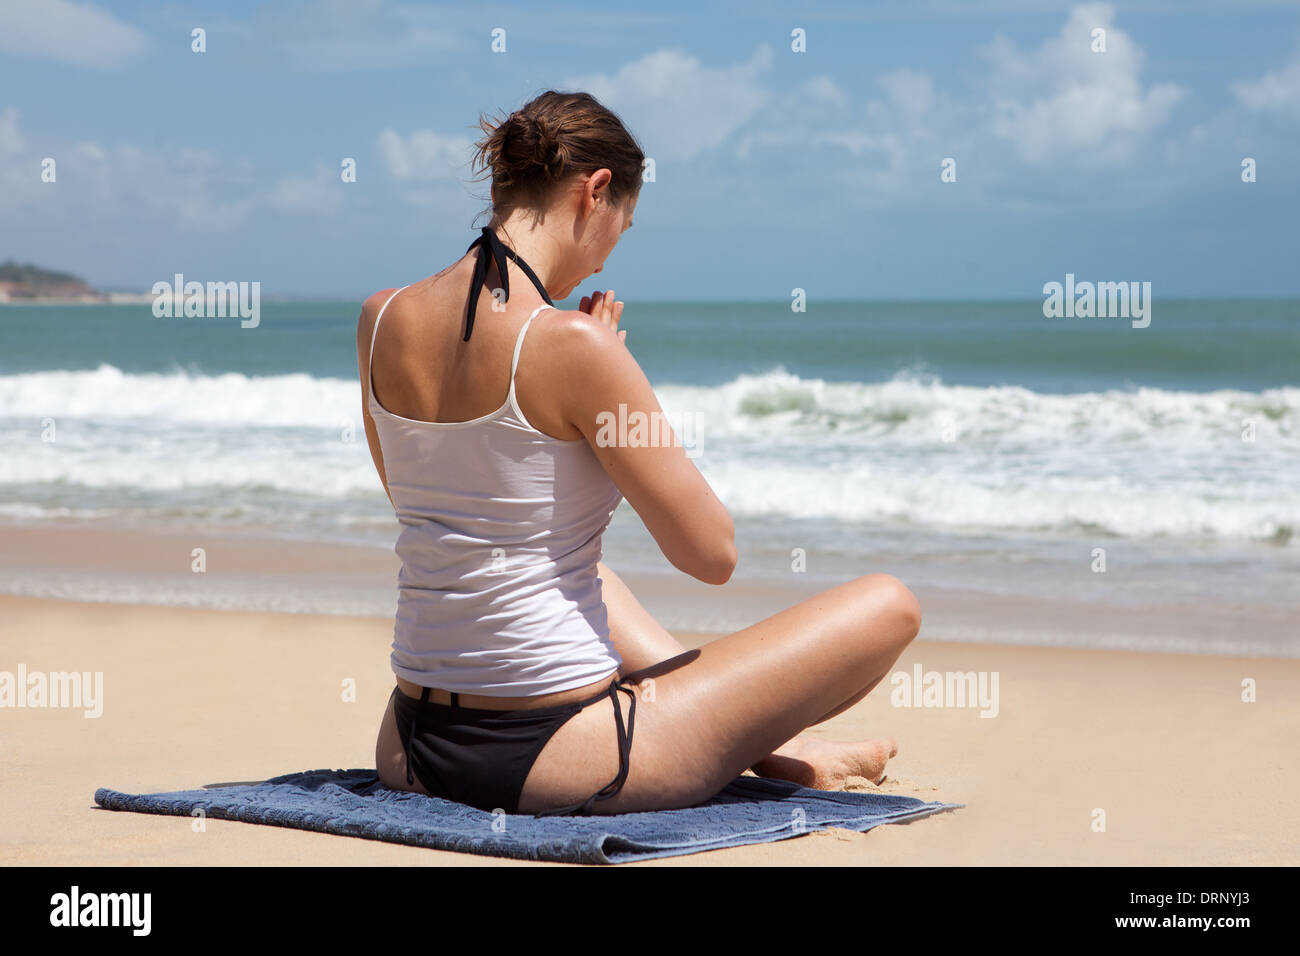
point(604, 307)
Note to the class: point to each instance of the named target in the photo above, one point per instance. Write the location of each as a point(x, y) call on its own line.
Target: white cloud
point(69, 32)
point(910, 90)
point(914, 117)
point(342, 35)
point(1277, 91)
point(913, 123)
point(1063, 98)
point(321, 190)
point(819, 114)
point(119, 184)
point(202, 191)
point(124, 181)
point(425, 155)
point(1056, 103)
point(677, 107)
point(823, 89)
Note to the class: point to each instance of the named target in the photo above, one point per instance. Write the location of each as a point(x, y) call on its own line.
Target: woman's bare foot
point(827, 764)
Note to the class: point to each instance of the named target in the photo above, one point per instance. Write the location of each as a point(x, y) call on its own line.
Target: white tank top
point(501, 531)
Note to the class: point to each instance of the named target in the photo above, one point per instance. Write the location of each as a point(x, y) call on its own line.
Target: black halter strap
point(490, 248)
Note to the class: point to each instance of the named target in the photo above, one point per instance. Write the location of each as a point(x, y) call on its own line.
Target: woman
point(529, 679)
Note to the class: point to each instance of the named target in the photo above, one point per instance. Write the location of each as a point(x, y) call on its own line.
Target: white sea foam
point(1140, 462)
point(232, 400)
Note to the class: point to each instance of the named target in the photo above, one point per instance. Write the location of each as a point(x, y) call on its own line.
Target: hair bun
point(545, 135)
point(530, 147)
point(550, 153)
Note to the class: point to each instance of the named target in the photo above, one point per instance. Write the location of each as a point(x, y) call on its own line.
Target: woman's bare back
point(423, 369)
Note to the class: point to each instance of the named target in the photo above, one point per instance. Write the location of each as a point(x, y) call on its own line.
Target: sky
point(775, 169)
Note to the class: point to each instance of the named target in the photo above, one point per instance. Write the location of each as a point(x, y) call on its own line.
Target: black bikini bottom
point(482, 757)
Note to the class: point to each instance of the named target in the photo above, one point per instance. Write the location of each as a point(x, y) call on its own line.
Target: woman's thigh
point(705, 715)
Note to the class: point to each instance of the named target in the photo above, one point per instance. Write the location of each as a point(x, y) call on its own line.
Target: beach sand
point(1185, 771)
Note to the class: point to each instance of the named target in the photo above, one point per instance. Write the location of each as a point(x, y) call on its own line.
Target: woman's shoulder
point(577, 331)
point(576, 350)
point(573, 354)
point(370, 312)
point(374, 303)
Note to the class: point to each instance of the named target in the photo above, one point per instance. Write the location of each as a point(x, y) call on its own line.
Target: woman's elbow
point(705, 552)
point(721, 565)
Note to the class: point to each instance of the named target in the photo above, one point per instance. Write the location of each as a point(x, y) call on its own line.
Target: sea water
point(972, 445)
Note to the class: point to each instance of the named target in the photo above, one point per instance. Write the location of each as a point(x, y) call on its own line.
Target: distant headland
point(26, 284)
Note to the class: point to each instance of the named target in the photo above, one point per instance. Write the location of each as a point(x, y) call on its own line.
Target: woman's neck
point(533, 243)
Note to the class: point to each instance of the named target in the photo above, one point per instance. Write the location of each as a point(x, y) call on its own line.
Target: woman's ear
point(598, 184)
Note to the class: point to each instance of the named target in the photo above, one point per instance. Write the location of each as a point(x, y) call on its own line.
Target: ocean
point(977, 446)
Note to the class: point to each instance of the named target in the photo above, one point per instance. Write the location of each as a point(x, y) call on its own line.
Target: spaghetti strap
point(519, 343)
point(370, 362)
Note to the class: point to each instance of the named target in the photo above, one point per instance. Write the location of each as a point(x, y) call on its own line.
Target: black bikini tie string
point(490, 248)
point(584, 808)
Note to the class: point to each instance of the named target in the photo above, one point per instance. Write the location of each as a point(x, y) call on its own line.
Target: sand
point(1184, 770)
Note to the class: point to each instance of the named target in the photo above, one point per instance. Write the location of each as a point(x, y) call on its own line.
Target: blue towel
point(355, 803)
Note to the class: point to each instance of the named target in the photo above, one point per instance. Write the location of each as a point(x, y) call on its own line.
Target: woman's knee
point(893, 604)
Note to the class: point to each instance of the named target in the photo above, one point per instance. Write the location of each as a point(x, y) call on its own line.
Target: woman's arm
point(365, 328)
point(680, 510)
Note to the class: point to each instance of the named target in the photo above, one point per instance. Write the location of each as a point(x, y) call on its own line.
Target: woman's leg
point(642, 642)
point(636, 635)
point(724, 707)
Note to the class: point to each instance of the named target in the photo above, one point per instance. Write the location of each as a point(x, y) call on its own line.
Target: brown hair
point(547, 140)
